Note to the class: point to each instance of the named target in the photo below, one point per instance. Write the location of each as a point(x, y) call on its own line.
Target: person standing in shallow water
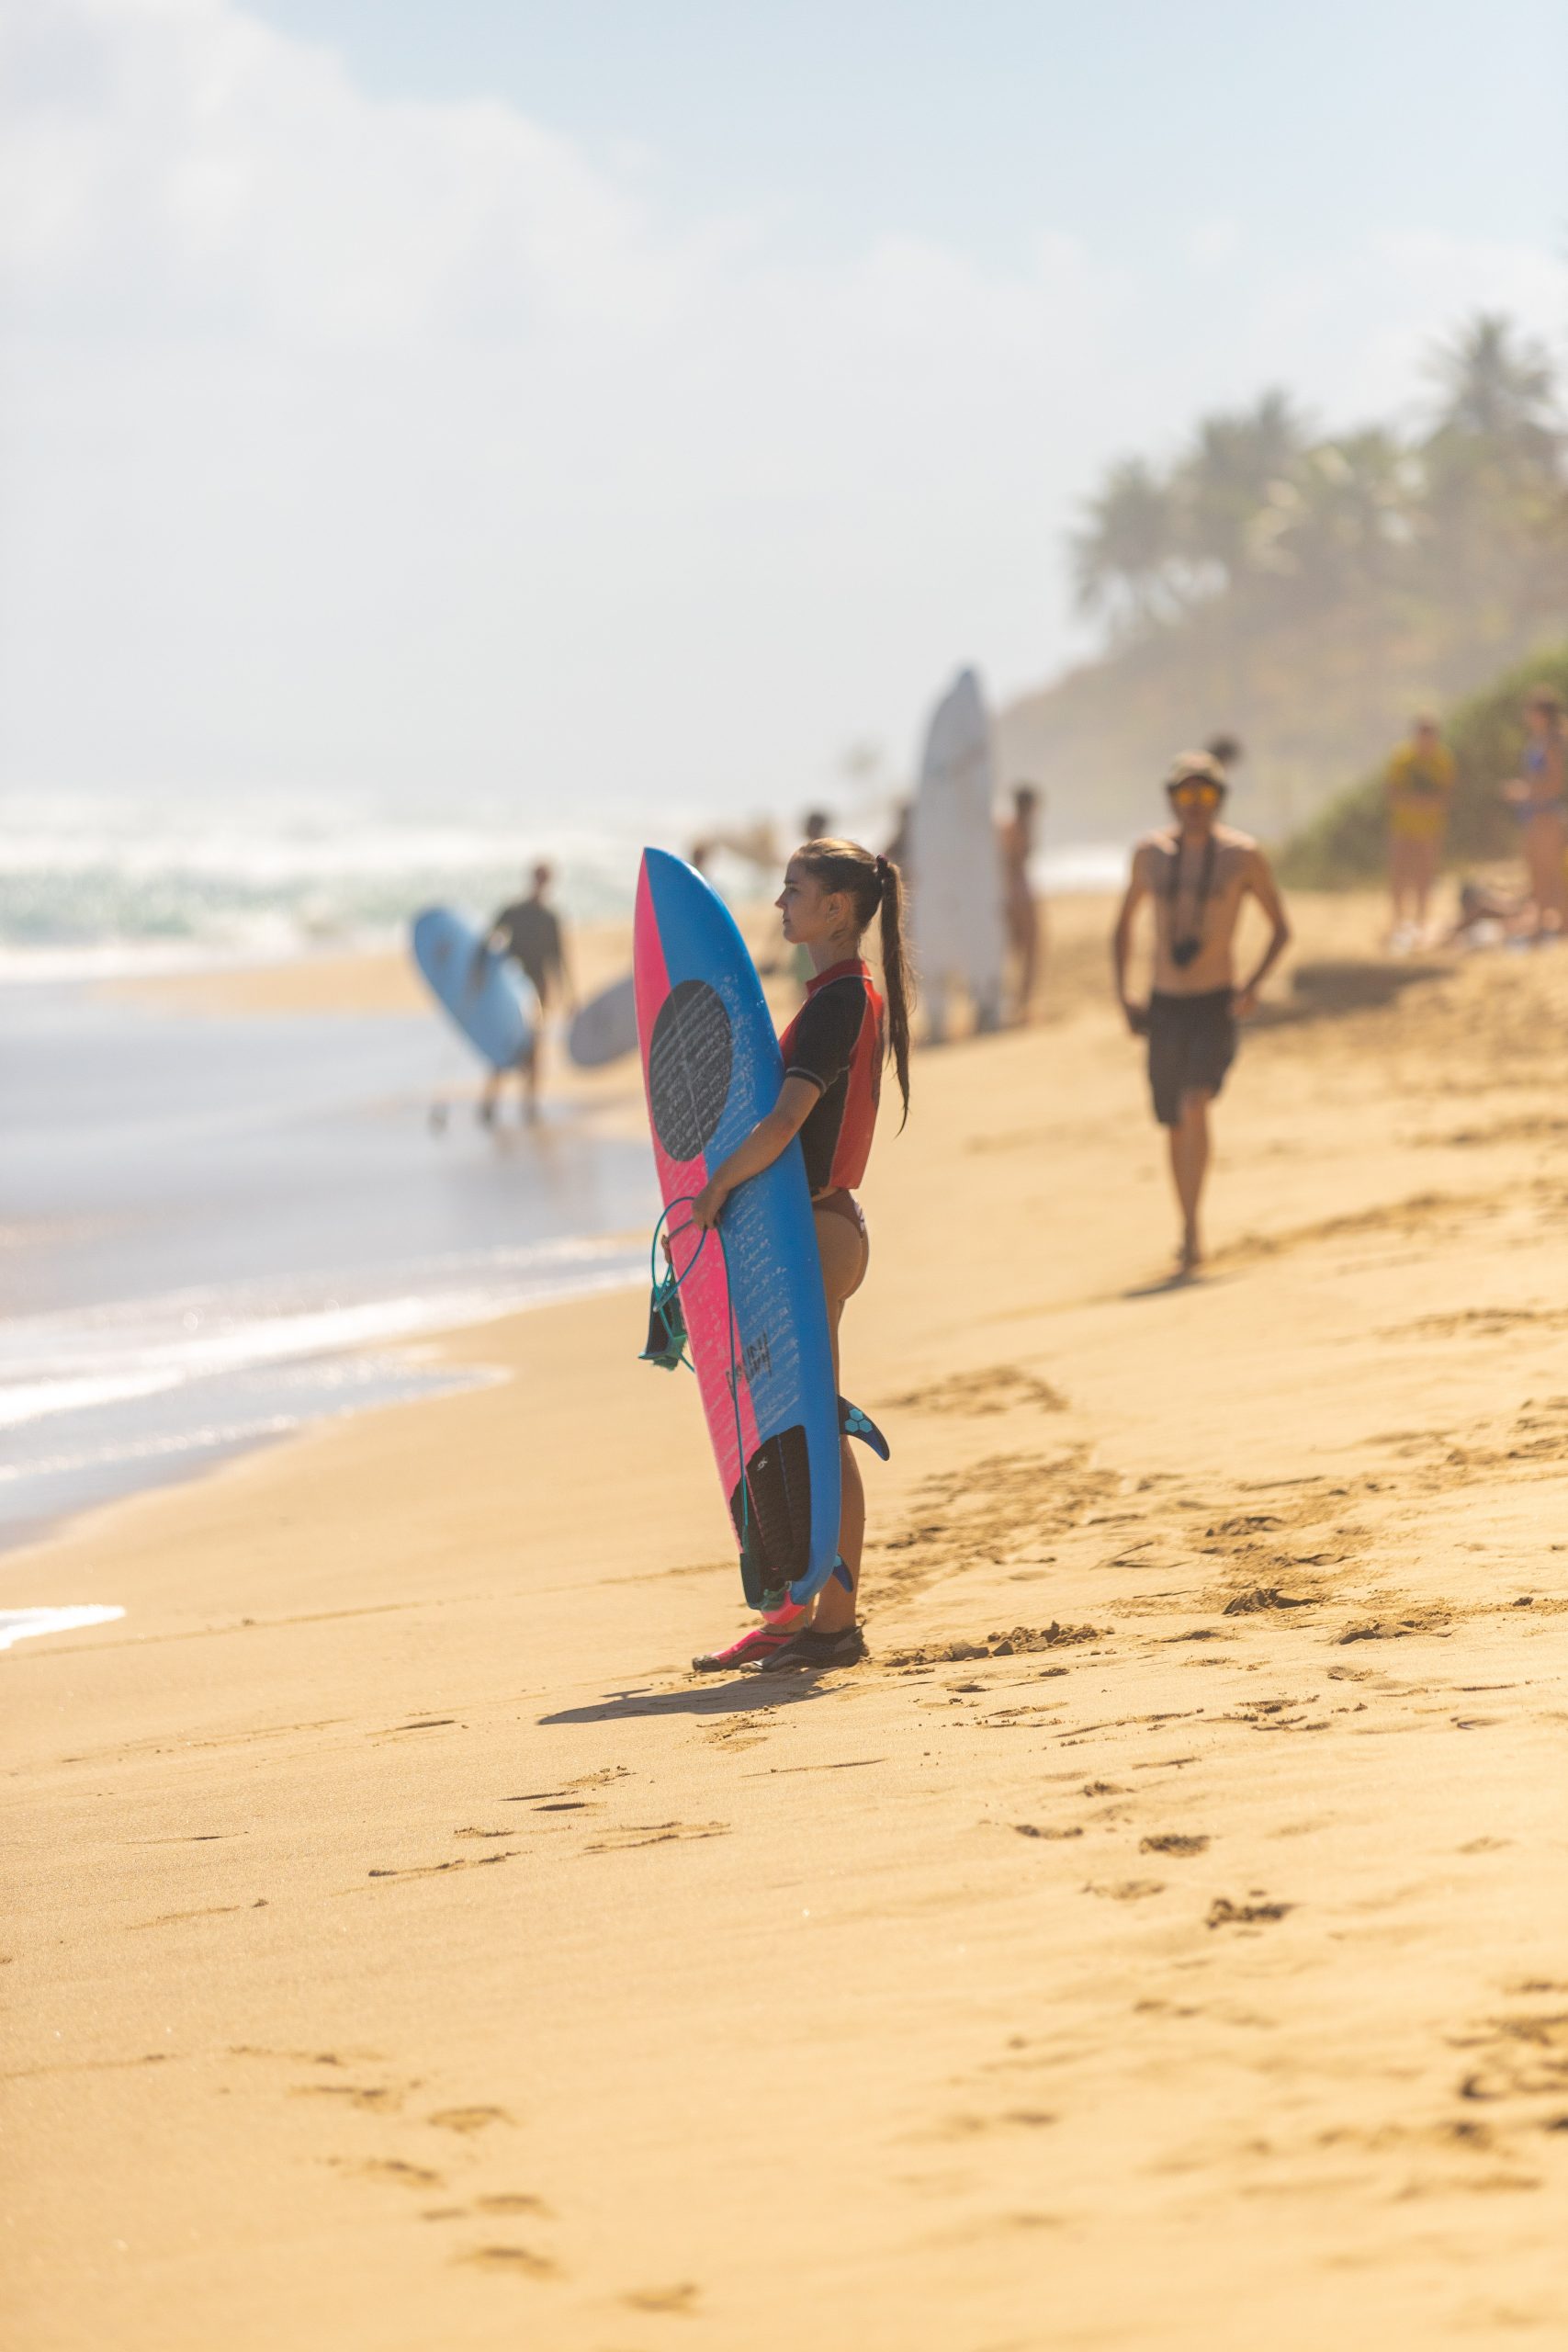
point(1199, 875)
point(528, 932)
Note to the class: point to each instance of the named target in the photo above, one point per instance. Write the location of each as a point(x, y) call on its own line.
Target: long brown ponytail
point(874, 885)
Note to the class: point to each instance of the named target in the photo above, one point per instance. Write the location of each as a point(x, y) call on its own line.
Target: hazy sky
point(645, 399)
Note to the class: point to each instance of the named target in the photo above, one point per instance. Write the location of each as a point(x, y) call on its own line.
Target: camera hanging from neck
point(1184, 951)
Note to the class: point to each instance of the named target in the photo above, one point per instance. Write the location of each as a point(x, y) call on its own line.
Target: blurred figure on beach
point(1486, 918)
point(818, 827)
point(1538, 798)
point(528, 932)
point(1015, 836)
point(1418, 784)
point(1199, 875)
point(898, 851)
point(1227, 753)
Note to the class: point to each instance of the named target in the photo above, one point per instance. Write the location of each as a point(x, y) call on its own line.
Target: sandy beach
point(1161, 1941)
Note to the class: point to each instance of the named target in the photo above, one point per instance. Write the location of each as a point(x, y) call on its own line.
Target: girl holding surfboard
point(832, 1052)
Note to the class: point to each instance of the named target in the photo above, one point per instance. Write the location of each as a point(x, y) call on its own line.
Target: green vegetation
point(1486, 735)
point(1307, 593)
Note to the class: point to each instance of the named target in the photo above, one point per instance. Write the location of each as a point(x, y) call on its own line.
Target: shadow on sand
point(1323, 991)
point(750, 1695)
point(1202, 1278)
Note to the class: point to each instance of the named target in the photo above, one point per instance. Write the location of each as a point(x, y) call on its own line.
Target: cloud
point(387, 446)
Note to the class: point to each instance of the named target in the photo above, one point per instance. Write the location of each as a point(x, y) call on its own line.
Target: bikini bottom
point(842, 1203)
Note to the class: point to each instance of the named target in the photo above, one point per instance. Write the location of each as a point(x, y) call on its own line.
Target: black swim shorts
point(1191, 1045)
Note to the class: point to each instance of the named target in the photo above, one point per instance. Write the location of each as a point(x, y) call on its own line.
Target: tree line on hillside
point(1306, 591)
point(1461, 529)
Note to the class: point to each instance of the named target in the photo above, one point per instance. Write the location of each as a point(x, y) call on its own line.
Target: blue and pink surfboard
point(756, 1320)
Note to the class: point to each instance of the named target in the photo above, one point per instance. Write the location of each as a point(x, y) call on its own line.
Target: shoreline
point(1219, 1649)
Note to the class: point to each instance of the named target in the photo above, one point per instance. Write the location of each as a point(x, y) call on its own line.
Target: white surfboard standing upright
point(960, 936)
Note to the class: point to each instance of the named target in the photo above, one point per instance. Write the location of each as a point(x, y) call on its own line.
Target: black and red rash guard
point(837, 1040)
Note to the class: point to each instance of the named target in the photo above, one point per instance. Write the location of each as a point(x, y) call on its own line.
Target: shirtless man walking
point(1198, 873)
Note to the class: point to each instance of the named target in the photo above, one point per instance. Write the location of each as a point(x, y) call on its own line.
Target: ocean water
point(94, 886)
point(215, 1231)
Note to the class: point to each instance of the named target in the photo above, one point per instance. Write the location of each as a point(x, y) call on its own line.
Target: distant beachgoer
point(1420, 786)
point(1485, 918)
point(528, 932)
point(1225, 753)
point(1538, 800)
point(833, 1051)
point(818, 828)
point(897, 850)
point(701, 853)
point(1016, 836)
point(1199, 875)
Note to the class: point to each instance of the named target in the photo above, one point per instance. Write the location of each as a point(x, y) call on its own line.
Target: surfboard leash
point(667, 1295)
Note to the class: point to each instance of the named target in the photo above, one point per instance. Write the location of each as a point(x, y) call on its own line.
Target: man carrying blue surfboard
point(528, 932)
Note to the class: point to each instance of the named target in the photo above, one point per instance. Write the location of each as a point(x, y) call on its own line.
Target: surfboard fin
point(852, 1422)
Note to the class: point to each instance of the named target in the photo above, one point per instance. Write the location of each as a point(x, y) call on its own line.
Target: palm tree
point(1121, 559)
point(1497, 388)
point(1225, 482)
point(1336, 527)
point(1495, 506)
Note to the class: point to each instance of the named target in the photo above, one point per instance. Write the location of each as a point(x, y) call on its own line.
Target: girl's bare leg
point(843, 1253)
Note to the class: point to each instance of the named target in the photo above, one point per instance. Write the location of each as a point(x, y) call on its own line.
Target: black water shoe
point(817, 1650)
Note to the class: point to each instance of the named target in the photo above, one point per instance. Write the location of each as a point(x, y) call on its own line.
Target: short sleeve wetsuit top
point(835, 1040)
point(529, 933)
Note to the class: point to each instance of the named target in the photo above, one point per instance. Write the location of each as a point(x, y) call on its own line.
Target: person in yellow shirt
point(1419, 783)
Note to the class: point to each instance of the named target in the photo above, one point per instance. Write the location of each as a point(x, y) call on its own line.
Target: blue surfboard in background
point(479, 992)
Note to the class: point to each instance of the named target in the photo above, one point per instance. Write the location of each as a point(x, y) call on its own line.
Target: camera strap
point(1205, 884)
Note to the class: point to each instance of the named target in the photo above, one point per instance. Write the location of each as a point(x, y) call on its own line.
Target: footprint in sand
point(1173, 1842)
point(655, 1833)
point(468, 2119)
point(507, 2201)
point(998, 1389)
point(513, 2261)
point(212, 1911)
point(388, 2169)
point(665, 2300)
point(969, 2126)
point(1431, 1620)
point(1023, 1640)
point(1246, 1604)
point(436, 1870)
point(1223, 1912)
point(378, 2097)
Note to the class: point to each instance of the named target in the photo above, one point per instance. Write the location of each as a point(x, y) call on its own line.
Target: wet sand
point(1161, 1941)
